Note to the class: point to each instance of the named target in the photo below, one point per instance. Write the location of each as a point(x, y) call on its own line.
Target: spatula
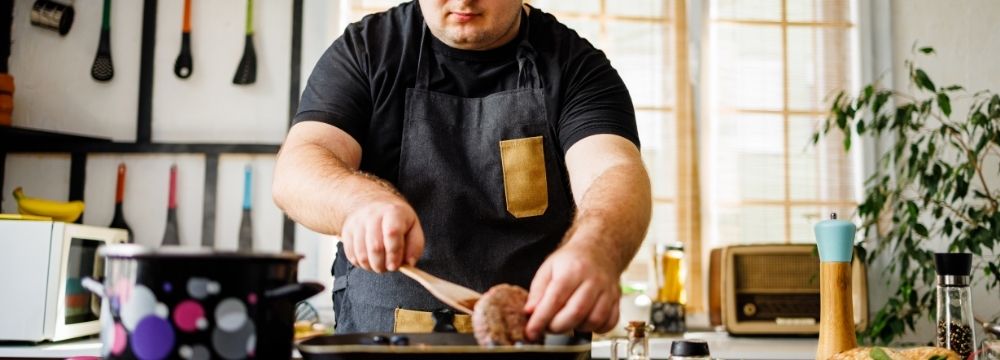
point(457, 296)
point(183, 66)
point(171, 234)
point(246, 72)
point(245, 242)
point(103, 69)
point(118, 221)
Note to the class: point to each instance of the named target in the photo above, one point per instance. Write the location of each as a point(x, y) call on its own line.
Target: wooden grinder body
point(836, 323)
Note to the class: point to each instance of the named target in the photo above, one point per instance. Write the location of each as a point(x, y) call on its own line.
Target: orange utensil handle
point(187, 16)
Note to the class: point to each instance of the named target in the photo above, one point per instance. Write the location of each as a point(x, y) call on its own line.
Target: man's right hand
point(381, 235)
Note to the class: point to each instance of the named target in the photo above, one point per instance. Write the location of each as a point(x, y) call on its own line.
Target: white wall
point(55, 92)
point(964, 35)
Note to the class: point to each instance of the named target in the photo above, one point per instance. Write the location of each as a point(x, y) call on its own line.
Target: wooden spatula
point(457, 296)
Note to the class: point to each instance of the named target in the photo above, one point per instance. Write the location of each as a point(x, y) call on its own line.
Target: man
point(480, 140)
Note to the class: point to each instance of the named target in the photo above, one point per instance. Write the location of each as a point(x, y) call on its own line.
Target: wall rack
point(22, 140)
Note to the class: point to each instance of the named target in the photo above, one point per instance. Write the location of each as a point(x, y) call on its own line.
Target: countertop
point(721, 345)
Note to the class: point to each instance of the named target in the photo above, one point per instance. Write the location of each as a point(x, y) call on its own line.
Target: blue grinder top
point(835, 239)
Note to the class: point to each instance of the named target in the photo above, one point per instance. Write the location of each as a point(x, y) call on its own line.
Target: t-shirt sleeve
point(337, 92)
point(596, 101)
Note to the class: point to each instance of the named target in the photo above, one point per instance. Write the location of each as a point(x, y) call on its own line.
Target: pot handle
point(295, 292)
point(93, 285)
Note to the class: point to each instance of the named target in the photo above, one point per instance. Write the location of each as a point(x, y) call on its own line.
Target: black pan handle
point(295, 292)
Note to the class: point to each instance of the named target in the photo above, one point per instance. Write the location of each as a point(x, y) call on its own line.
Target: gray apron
point(487, 180)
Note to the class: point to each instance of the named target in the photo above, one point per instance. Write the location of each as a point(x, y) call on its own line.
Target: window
point(770, 69)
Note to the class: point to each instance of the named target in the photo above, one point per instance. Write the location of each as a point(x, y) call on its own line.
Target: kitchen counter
point(59, 350)
point(722, 346)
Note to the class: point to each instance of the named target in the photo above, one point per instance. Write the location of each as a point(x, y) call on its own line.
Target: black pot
point(198, 303)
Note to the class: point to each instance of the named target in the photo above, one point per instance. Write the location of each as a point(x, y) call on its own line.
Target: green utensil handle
point(249, 17)
point(106, 18)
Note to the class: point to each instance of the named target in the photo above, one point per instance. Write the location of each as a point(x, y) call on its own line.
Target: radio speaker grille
point(777, 272)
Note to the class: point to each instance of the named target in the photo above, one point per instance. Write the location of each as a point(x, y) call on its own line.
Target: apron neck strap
point(527, 71)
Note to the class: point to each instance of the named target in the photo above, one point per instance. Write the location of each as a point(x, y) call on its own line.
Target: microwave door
point(77, 310)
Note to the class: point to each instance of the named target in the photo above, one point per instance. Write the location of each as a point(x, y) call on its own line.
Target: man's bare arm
point(577, 286)
point(316, 182)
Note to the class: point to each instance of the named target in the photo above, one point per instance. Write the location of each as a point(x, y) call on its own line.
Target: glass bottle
point(955, 323)
point(638, 342)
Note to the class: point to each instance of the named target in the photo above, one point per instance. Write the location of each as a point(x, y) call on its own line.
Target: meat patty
point(498, 317)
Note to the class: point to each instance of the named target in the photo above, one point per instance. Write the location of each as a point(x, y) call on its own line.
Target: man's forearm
point(614, 213)
point(318, 190)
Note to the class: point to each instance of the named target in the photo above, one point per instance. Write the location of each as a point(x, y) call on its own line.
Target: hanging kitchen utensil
point(246, 226)
point(52, 15)
point(246, 72)
point(119, 219)
point(184, 66)
point(103, 69)
point(170, 235)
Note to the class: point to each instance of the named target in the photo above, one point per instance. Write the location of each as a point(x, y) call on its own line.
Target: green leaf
point(920, 229)
point(878, 354)
point(927, 50)
point(944, 103)
point(912, 210)
point(880, 100)
point(923, 81)
point(860, 128)
point(978, 119)
point(954, 88)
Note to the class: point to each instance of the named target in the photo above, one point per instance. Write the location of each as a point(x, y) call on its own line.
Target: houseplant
point(931, 185)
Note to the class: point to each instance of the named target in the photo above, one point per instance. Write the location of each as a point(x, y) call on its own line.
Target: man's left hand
point(575, 288)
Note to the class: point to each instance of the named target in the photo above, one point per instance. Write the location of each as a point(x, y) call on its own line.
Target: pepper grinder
point(835, 240)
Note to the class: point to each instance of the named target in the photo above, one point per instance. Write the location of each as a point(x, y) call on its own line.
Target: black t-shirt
point(359, 84)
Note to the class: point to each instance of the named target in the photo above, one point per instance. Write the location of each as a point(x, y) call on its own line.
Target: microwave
point(42, 263)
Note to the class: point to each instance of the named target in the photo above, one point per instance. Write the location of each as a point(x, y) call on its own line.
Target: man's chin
point(466, 39)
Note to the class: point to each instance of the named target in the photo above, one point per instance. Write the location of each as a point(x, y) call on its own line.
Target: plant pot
point(197, 303)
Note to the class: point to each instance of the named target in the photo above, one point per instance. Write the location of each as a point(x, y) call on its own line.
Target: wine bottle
point(119, 219)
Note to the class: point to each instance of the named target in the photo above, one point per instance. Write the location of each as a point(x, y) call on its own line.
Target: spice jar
point(955, 323)
point(638, 342)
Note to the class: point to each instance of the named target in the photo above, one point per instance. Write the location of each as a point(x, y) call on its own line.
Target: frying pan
point(435, 346)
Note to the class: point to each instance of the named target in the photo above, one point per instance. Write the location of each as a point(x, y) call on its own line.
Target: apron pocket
point(413, 321)
point(524, 183)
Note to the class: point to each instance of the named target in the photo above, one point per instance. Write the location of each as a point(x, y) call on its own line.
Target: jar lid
point(957, 264)
point(692, 347)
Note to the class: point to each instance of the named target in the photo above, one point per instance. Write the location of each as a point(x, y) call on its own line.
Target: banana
point(67, 211)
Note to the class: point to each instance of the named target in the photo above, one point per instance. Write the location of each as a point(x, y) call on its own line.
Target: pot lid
point(140, 251)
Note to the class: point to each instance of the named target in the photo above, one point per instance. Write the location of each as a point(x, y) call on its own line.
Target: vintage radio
point(773, 289)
